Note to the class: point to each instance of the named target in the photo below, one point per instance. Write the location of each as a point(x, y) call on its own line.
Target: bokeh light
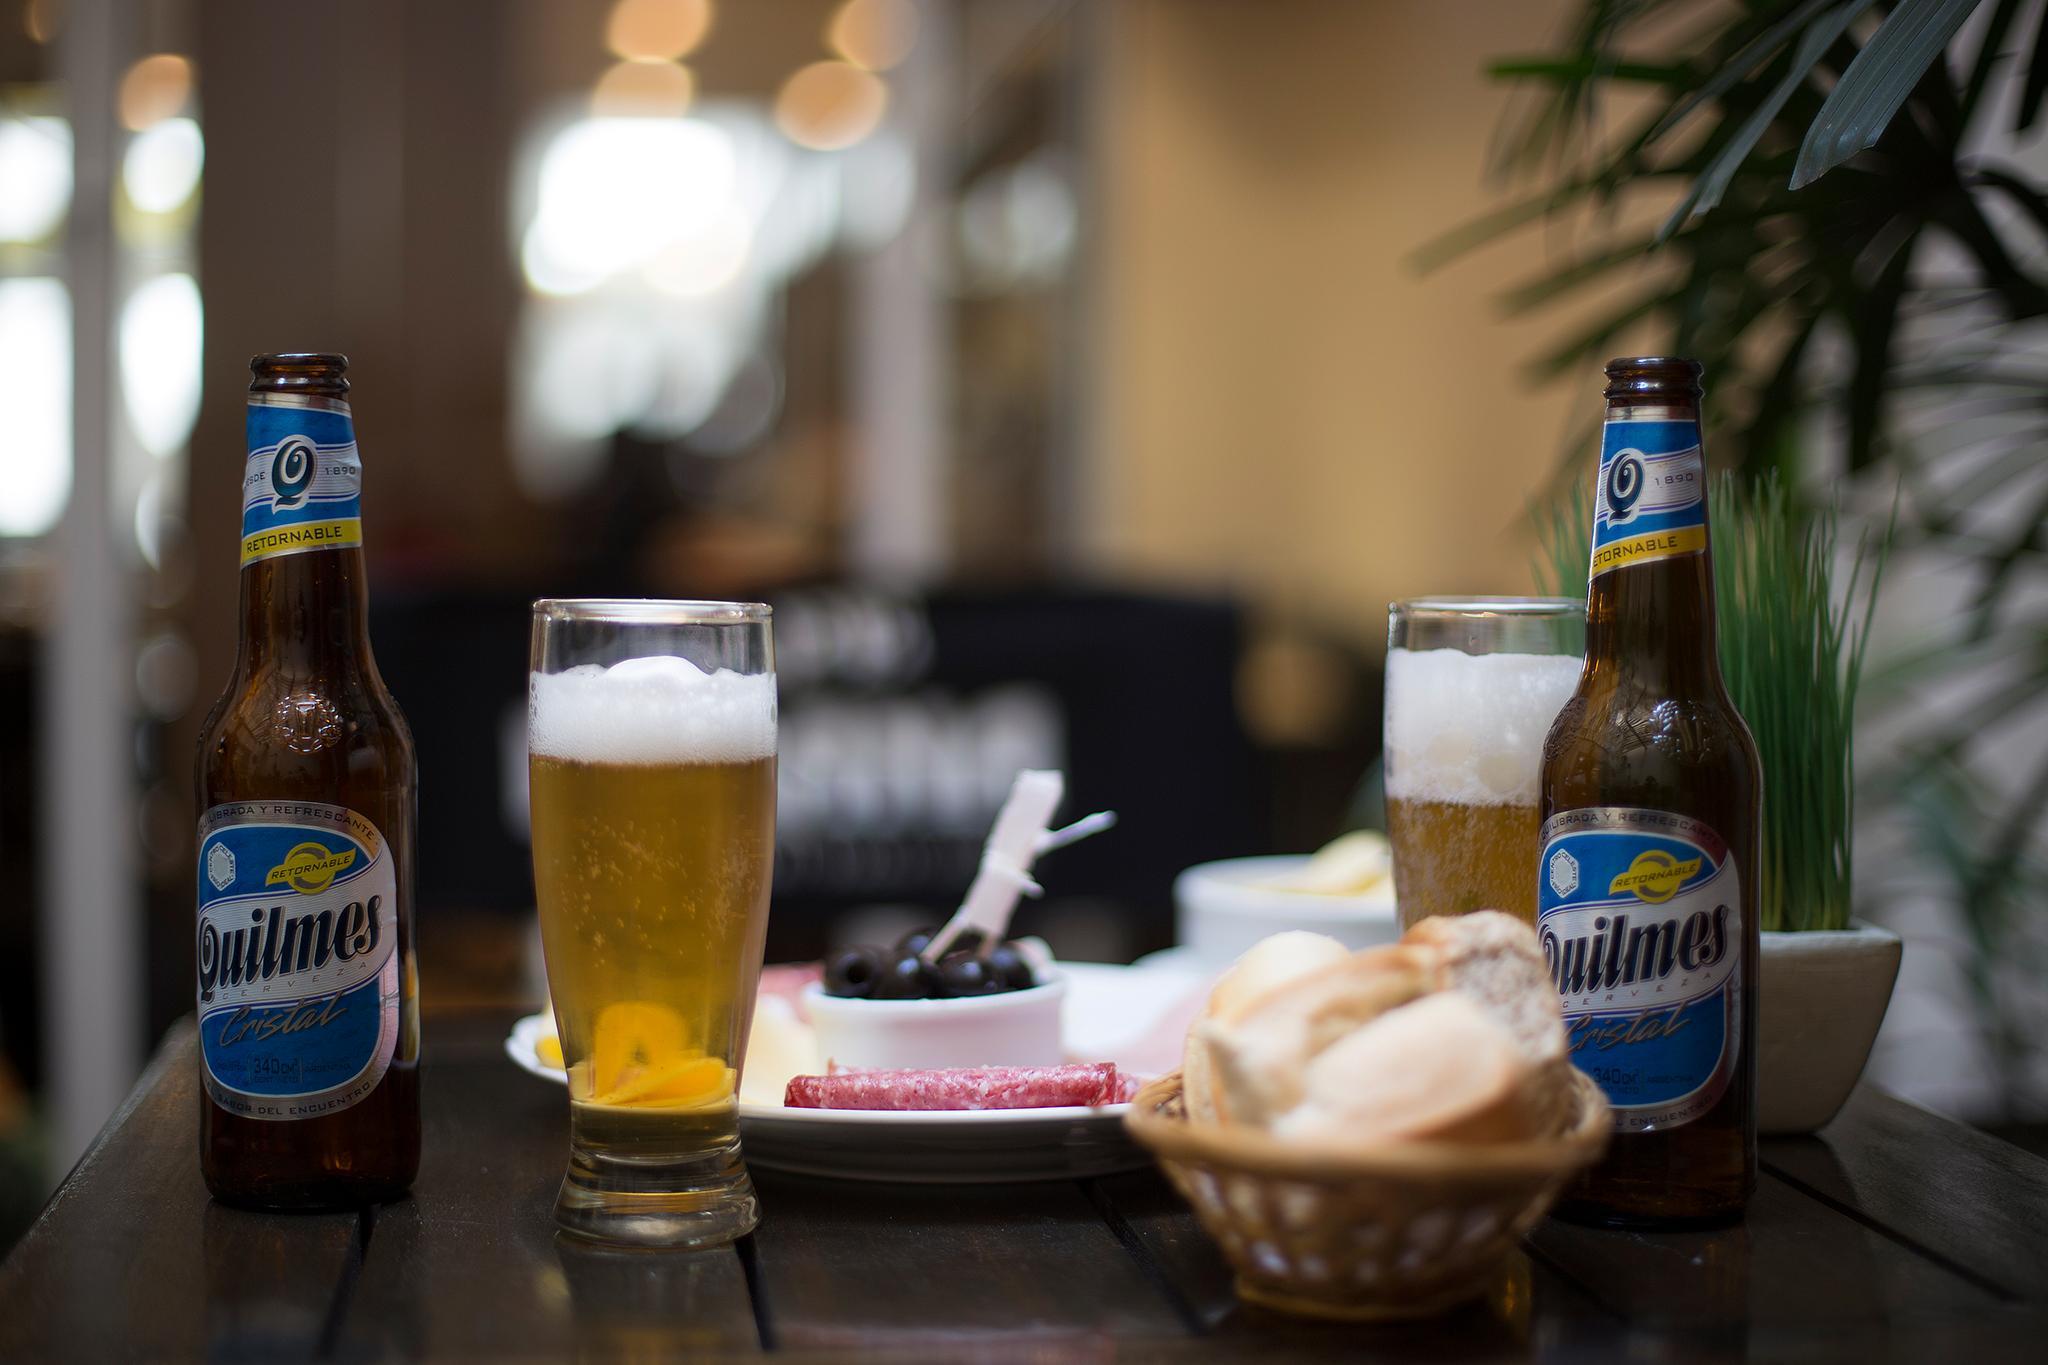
point(878, 184)
point(35, 177)
point(703, 261)
point(154, 88)
point(875, 34)
point(35, 404)
point(829, 105)
point(1017, 225)
point(614, 192)
point(655, 250)
point(643, 90)
point(163, 164)
point(549, 274)
point(162, 326)
point(586, 375)
point(657, 30)
point(39, 20)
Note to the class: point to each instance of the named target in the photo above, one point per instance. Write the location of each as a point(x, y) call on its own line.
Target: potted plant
point(1792, 652)
point(1839, 176)
point(1792, 659)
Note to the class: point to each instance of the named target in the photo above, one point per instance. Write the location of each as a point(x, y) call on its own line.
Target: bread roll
point(1269, 963)
point(1260, 1052)
point(1494, 958)
point(1264, 966)
point(1455, 1033)
point(1439, 1068)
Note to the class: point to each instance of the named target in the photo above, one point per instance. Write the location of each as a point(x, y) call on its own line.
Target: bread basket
point(1399, 1230)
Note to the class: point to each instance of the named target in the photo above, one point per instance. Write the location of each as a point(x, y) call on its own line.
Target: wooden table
point(1898, 1235)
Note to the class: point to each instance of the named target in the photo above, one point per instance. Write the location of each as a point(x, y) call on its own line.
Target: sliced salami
point(986, 1087)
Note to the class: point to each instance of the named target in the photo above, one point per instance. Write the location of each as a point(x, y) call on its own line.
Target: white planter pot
point(1822, 996)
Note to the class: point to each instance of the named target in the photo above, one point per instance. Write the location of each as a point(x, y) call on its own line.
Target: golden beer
point(652, 791)
point(1453, 859)
point(653, 889)
point(1464, 742)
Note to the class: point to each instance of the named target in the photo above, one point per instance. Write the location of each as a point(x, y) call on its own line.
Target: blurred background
point(1064, 373)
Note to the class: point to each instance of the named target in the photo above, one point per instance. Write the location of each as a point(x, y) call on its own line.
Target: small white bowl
point(1222, 909)
point(1015, 1028)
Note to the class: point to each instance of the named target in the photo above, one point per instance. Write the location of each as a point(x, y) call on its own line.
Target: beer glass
point(1472, 686)
point(651, 754)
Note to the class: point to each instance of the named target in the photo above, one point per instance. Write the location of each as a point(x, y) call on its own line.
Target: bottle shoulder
point(1633, 745)
point(301, 735)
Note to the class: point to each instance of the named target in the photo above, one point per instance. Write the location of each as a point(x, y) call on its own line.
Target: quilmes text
point(277, 944)
point(1618, 953)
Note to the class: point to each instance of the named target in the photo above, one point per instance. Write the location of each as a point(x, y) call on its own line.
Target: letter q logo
point(1622, 484)
point(291, 472)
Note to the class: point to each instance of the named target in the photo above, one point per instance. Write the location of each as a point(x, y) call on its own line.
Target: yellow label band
point(1643, 549)
point(341, 534)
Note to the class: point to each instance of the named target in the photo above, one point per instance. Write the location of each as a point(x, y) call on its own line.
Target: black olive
point(913, 943)
point(853, 973)
point(1012, 968)
point(906, 978)
point(964, 974)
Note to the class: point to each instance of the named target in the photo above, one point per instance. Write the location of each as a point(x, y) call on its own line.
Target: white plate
point(940, 1148)
point(1108, 1007)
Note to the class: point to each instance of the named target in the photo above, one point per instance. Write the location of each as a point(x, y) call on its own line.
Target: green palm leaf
point(1860, 107)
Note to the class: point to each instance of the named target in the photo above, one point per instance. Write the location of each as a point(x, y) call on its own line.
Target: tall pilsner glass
point(651, 749)
point(1472, 686)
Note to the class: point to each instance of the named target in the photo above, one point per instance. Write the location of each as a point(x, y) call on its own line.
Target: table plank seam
point(1134, 1246)
point(1891, 1234)
point(1586, 1292)
point(757, 1290)
point(345, 1287)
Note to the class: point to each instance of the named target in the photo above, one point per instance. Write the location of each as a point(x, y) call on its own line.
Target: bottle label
point(1640, 915)
point(1650, 501)
point(298, 958)
point(302, 487)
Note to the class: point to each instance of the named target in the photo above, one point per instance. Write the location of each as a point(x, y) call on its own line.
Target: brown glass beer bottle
point(309, 1036)
point(1647, 885)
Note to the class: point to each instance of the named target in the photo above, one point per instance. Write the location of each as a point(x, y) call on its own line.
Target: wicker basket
point(1402, 1230)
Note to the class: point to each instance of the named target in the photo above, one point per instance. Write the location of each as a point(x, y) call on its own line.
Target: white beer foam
point(653, 710)
point(1469, 728)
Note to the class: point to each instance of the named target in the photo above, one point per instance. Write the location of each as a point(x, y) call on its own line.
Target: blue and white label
point(1650, 501)
point(302, 488)
point(1640, 916)
point(298, 958)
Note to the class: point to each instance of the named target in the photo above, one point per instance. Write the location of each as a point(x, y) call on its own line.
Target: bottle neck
point(303, 591)
point(1659, 618)
point(1655, 612)
point(305, 614)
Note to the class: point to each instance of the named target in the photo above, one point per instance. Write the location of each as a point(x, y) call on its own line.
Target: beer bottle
point(309, 1035)
point(1650, 791)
